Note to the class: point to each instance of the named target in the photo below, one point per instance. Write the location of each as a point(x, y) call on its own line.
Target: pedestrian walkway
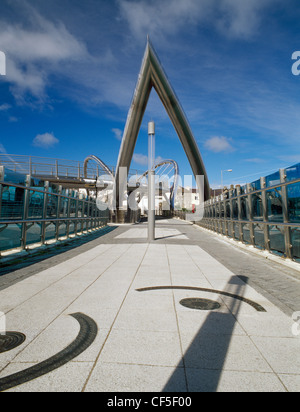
point(112, 316)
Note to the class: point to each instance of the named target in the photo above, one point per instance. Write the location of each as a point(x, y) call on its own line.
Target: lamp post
point(223, 171)
point(151, 181)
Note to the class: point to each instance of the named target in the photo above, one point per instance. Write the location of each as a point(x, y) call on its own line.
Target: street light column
point(223, 171)
point(151, 181)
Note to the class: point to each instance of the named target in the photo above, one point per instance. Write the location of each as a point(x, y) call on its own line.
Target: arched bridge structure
point(151, 76)
point(165, 169)
point(99, 162)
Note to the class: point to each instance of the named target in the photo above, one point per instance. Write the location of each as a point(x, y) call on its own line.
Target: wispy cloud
point(218, 144)
point(142, 160)
point(2, 149)
point(118, 133)
point(4, 107)
point(36, 51)
point(295, 158)
point(235, 18)
point(255, 160)
point(45, 141)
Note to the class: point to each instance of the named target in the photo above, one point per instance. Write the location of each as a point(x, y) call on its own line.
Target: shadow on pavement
point(204, 359)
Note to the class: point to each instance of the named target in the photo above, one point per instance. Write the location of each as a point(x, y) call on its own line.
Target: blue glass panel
point(36, 205)
point(62, 230)
point(259, 236)
point(295, 236)
point(14, 177)
point(276, 236)
point(293, 193)
point(10, 237)
point(52, 206)
point(274, 202)
point(12, 203)
point(256, 185)
point(235, 209)
point(246, 233)
point(33, 234)
point(257, 207)
point(273, 179)
point(50, 231)
point(244, 208)
point(293, 173)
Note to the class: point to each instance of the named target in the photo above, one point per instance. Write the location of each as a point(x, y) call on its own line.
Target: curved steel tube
point(176, 176)
point(100, 162)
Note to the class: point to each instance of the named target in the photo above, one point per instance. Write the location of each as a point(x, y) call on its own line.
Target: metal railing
point(48, 167)
point(264, 214)
point(36, 215)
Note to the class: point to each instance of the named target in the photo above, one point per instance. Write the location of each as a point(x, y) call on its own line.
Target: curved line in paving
point(255, 305)
point(87, 334)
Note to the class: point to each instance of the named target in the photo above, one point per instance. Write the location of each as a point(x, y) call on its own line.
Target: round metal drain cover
point(11, 341)
point(200, 304)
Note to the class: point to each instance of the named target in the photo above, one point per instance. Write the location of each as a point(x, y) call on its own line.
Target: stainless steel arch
point(100, 162)
point(151, 76)
point(173, 189)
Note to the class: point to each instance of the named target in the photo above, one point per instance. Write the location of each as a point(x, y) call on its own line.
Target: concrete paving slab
point(146, 340)
point(112, 377)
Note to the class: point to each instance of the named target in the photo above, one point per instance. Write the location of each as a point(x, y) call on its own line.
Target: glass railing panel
point(50, 231)
point(12, 203)
point(259, 236)
point(10, 237)
point(274, 205)
point(295, 240)
point(276, 236)
point(62, 230)
point(33, 234)
point(257, 207)
point(236, 231)
point(246, 233)
point(36, 205)
point(292, 173)
point(293, 193)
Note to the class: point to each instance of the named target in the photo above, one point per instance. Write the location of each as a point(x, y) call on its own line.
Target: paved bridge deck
point(130, 333)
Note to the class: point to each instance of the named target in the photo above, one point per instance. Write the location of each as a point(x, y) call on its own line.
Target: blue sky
point(72, 67)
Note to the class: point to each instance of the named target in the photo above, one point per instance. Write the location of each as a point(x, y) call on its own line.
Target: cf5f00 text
point(171, 401)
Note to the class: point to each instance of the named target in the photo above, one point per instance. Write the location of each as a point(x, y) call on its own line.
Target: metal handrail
point(90, 217)
point(219, 198)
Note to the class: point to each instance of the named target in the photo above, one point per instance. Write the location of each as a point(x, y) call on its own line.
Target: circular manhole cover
point(10, 341)
point(200, 304)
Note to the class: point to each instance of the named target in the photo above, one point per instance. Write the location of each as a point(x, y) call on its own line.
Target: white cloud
point(159, 17)
point(118, 134)
point(290, 158)
point(34, 53)
point(45, 141)
point(241, 19)
point(218, 144)
point(2, 149)
point(142, 160)
point(255, 160)
point(4, 107)
point(236, 18)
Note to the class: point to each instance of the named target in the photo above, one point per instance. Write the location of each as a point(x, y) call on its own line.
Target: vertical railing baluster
point(250, 214)
point(44, 216)
point(286, 220)
point(25, 212)
point(265, 213)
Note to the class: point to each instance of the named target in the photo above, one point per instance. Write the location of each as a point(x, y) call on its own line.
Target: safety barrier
point(264, 214)
point(36, 215)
